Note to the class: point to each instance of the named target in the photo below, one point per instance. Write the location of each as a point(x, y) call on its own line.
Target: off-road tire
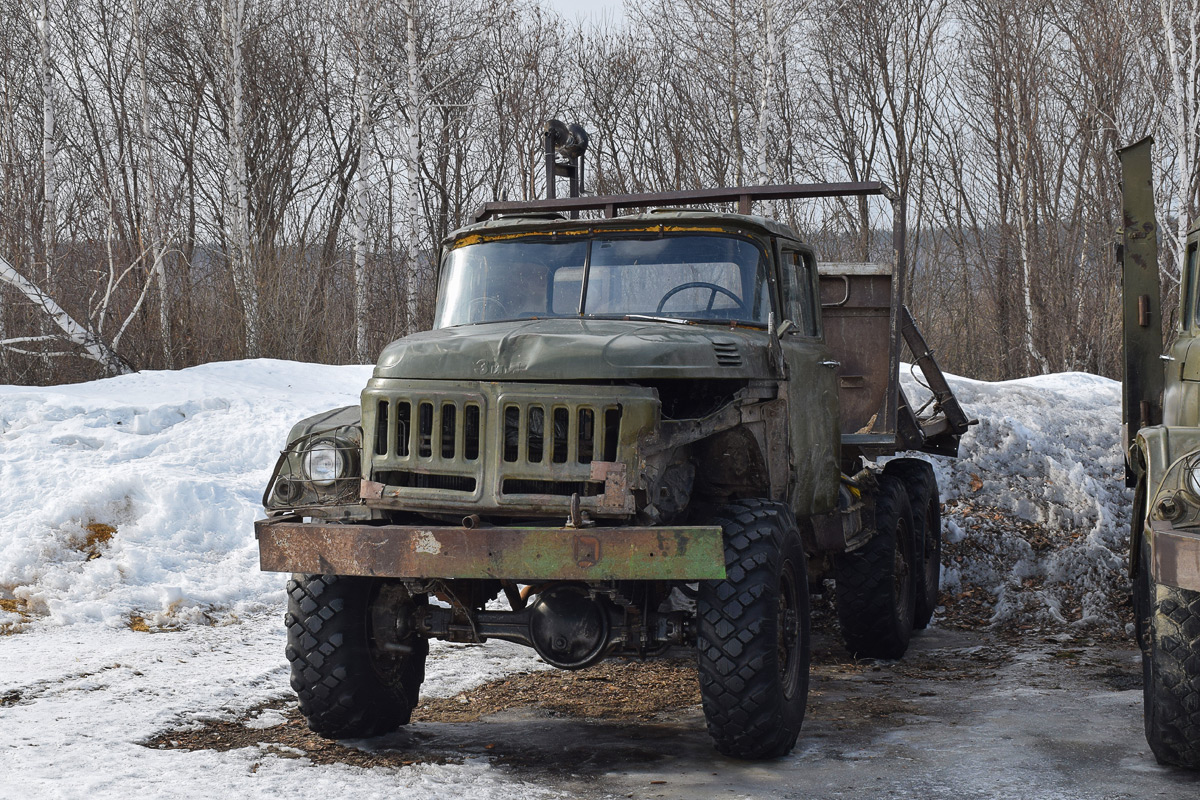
point(1169, 633)
point(876, 584)
point(925, 503)
point(754, 633)
point(348, 686)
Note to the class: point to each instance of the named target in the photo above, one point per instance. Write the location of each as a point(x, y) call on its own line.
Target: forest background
point(198, 180)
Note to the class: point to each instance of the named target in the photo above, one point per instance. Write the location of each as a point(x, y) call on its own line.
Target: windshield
point(693, 278)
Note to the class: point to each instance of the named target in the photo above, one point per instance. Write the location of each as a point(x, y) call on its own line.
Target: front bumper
point(1176, 556)
point(525, 555)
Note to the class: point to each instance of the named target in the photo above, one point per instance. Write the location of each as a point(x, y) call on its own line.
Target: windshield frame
point(764, 272)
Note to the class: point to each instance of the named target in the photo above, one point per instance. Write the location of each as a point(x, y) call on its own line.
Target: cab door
point(811, 386)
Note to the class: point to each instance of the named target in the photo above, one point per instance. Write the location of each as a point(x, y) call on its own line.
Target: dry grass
point(98, 535)
point(18, 606)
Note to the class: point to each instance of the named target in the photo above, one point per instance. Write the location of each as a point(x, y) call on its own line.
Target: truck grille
point(576, 434)
point(496, 447)
point(451, 429)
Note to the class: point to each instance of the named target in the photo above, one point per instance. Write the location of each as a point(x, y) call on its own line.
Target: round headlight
point(324, 463)
point(1191, 476)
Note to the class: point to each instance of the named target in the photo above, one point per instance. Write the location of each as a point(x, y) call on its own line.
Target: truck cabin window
point(695, 278)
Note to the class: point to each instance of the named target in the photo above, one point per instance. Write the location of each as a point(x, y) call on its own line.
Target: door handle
point(833, 364)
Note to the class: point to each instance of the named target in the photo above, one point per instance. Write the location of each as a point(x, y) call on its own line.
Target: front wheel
point(1169, 632)
point(356, 672)
point(753, 637)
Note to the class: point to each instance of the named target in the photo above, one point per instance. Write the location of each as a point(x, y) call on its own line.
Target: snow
point(1037, 508)
point(174, 463)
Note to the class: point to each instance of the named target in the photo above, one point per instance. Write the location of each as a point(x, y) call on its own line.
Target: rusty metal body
point(1161, 391)
point(524, 555)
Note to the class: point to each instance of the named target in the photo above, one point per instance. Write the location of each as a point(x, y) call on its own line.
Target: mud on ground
point(621, 715)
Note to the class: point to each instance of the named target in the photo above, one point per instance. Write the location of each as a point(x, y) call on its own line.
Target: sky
point(590, 9)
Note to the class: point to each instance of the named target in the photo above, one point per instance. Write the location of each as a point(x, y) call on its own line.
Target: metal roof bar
point(742, 195)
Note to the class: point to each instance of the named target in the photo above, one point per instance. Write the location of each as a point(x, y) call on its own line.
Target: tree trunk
point(233, 20)
point(155, 246)
point(94, 348)
point(360, 188)
point(413, 166)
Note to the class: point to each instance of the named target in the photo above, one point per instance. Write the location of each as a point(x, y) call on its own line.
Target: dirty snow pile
point(1036, 518)
point(137, 494)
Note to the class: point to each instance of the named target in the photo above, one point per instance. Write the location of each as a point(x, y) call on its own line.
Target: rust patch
point(616, 495)
point(651, 553)
point(587, 551)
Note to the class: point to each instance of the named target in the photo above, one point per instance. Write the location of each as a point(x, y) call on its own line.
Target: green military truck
point(624, 436)
point(1161, 422)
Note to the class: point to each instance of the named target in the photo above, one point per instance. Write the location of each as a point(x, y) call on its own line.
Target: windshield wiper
point(641, 318)
point(649, 318)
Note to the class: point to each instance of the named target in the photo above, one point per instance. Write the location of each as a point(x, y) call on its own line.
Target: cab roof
point(676, 220)
point(554, 214)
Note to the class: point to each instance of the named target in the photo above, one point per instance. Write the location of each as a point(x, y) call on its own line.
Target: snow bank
point(1037, 515)
point(173, 464)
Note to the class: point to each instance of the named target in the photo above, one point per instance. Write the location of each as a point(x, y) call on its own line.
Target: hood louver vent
point(727, 354)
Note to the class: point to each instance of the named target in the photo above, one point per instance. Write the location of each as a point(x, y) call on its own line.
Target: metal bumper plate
point(1176, 556)
point(520, 554)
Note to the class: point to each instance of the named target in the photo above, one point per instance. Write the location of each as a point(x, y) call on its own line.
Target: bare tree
point(1167, 45)
point(233, 29)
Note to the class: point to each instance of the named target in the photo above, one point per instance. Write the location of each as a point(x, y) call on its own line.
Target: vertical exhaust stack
point(570, 142)
point(1137, 253)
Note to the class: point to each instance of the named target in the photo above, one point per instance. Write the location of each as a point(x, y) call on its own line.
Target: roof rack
point(611, 205)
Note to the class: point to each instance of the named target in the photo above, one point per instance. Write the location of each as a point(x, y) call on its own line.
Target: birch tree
point(49, 144)
point(364, 96)
point(90, 345)
point(1167, 42)
point(153, 242)
point(233, 29)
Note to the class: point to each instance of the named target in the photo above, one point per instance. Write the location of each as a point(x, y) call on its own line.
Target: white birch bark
point(413, 158)
point(49, 145)
point(363, 86)
point(92, 346)
point(233, 23)
point(766, 90)
point(153, 242)
point(1025, 116)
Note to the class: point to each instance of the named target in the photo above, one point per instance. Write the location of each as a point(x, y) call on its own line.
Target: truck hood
point(576, 349)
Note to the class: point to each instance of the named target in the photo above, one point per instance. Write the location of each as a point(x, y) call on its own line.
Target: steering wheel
point(712, 287)
point(478, 309)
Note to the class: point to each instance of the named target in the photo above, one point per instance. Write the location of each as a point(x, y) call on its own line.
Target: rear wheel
point(1168, 627)
point(753, 636)
point(876, 584)
point(354, 670)
point(920, 483)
